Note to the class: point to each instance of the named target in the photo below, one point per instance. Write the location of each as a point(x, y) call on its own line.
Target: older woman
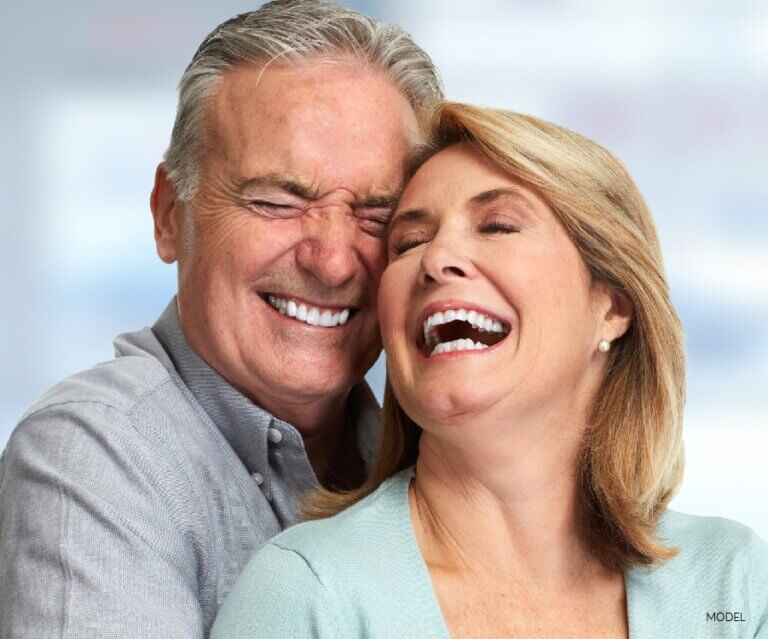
point(532, 423)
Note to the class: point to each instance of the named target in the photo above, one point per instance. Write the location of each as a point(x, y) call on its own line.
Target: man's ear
point(617, 313)
point(166, 210)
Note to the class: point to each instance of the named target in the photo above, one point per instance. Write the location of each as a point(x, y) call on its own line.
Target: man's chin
point(313, 377)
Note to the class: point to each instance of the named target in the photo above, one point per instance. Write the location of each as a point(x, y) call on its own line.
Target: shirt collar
point(243, 423)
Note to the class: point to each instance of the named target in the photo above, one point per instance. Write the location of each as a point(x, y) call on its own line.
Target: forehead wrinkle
point(243, 98)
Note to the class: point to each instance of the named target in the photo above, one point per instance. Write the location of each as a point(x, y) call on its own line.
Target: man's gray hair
point(290, 31)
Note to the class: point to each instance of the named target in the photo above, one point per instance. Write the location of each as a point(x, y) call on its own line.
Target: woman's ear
point(615, 313)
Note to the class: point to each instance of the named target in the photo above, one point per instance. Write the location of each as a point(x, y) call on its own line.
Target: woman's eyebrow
point(409, 215)
point(486, 197)
point(510, 194)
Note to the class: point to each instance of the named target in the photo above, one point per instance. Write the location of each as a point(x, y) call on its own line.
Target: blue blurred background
point(677, 89)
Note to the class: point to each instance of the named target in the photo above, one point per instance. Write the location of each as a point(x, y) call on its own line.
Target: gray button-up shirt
point(133, 494)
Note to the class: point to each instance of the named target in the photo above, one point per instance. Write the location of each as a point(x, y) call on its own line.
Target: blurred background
point(677, 89)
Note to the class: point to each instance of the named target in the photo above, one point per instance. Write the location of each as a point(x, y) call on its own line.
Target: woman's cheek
point(393, 303)
point(387, 300)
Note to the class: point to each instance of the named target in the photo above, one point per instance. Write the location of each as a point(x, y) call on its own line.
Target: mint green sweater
point(361, 575)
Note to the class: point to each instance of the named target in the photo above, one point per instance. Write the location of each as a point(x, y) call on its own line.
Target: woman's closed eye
point(498, 227)
point(405, 244)
point(408, 241)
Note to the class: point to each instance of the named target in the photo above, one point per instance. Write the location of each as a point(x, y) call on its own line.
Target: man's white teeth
point(465, 344)
point(478, 320)
point(308, 314)
point(313, 317)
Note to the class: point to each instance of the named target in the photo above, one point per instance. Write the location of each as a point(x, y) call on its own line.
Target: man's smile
point(307, 312)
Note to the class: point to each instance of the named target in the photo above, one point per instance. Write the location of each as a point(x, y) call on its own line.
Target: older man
point(132, 495)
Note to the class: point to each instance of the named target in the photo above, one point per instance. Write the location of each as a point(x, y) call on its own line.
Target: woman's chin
point(450, 402)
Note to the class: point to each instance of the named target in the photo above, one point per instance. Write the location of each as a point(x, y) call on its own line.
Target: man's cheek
point(374, 255)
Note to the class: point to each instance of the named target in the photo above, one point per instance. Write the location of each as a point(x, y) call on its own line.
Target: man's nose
point(327, 248)
point(441, 264)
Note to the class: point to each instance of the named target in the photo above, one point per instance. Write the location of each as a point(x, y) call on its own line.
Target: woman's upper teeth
point(477, 320)
point(308, 314)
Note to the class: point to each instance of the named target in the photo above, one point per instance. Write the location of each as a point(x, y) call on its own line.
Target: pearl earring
point(604, 346)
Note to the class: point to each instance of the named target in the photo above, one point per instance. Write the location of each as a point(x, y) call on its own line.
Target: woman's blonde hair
point(632, 457)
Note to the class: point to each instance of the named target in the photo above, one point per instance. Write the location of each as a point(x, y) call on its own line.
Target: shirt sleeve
point(278, 595)
point(89, 544)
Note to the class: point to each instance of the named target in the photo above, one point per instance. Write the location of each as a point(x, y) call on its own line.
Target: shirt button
point(274, 435)
point(258, 478)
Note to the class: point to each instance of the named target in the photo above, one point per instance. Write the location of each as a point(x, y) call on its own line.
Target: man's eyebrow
point(287, 183)
point(296, 186)
point(380, 201)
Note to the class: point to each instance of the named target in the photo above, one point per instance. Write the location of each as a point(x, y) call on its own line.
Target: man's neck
point(320, 419)
point(335, 456)
point(313, 418)
point(328, 440)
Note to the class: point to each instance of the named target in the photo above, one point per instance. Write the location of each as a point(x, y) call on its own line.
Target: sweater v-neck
point(412, 552)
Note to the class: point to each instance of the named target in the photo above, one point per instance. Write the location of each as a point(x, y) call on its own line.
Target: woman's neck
point(503, 502)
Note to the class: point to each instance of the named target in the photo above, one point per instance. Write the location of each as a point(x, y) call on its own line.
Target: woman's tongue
point(464, 330)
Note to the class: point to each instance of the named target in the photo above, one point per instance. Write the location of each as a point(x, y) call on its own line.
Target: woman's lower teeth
point(465, 344)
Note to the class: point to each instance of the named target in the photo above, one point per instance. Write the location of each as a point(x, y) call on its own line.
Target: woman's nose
point(442, 265)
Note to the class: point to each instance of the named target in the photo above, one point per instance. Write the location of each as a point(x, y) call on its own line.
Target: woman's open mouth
point(460, 329)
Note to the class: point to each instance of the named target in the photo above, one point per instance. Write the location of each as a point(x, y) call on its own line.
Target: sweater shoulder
point(366, 533)
point(713, 552)
point(705, 537)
